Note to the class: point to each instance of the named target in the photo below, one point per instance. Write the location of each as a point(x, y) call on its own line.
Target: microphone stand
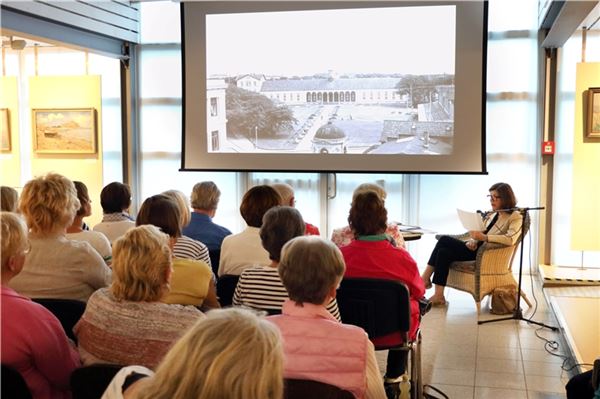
point(517, 312)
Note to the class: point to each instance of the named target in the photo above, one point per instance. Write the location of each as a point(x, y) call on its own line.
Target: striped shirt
point(188, 248)
point(261, 288)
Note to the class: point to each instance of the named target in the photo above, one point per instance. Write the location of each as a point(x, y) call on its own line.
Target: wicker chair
point(492, 268)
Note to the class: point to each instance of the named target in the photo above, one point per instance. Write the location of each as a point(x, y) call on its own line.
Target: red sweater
point(380, 259)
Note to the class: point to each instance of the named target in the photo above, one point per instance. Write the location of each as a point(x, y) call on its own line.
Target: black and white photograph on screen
point(352, 81)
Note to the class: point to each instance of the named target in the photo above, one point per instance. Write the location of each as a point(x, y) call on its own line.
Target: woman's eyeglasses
point(494, 197)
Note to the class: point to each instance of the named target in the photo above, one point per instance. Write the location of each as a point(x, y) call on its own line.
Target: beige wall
point(10, 161)
point(585, 216)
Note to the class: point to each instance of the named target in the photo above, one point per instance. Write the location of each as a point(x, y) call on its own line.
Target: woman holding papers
point(503, 226)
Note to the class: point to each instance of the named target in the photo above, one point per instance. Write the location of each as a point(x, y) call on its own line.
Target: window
point(213, 107)
point(214, 139)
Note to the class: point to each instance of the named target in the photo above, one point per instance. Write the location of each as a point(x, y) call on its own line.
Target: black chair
point(215, 258)
point(382, 307)
point(13, 385)
point(90, 382)
point(302, 389)
point(225, 288)
point(67, 311)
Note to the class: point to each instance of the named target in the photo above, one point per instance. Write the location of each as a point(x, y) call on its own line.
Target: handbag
point(504, 299)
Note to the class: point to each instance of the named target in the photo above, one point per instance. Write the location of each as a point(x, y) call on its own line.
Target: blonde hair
point(185, 215)
point(230, 354)
point(8, 199)
point(285, 191)
point(205, 195)
point(369, 187)
point(309, 267)
point(141, 259)
point(49, 203)
point(14, 236)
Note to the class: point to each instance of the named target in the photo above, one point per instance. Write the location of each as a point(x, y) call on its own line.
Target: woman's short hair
point(205, 195)
point(115, 197)
point(141, 259)
point(160, 211)
point(48, 203)
point(368, 215)
point(82, 195)
point(369, 187)
point(309, 267)
point(280, 224)
point(232, 353)
point(256, 202)
point(285, 191)
point(8, 199)
point(14, 236)
point(185, 215)
point(506, 194)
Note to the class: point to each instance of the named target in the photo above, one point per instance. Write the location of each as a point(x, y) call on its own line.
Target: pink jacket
point(318, 347)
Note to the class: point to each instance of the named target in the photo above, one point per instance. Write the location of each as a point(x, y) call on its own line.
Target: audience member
point(232, 354)
point(33, 340)
point(372, 255)
point(286, 192)
point(344, 236)
point(8, 199)
point(186, 247)
point(205, 200)
point(56, 267)
point(502, 227)
point(242, 250)
point(260, 287)
point(115, 199)
point(316, 345)
point(77, 231)
point(192, 282)
point(127, 323)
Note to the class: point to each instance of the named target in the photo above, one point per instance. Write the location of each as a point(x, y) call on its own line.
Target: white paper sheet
point(470, 220)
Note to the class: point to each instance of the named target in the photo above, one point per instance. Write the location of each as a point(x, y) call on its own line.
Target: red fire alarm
point(548, 148)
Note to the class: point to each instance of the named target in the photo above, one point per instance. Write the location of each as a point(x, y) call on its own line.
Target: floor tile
point(499, 380)
point(498, 393)
point(498, 352)
point(540, 355)
point(453, 376)
point(543, 369)
point(505, 365)
point(455, 362)
point(545, 395)
point(545, 384)
point(453, 391)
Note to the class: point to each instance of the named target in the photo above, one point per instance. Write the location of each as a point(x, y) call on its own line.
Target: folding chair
point(90, 382)
point(67, 311)
point(382, 307)
point(302, 389)
point(225, 288)
point(13, 385)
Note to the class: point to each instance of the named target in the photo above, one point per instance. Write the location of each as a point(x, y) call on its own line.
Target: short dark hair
point(506, 194)
point(115, 197)
point(368, 215)
point(256, 202)
point(82, 195)
point(280, 224)
point(162, 212)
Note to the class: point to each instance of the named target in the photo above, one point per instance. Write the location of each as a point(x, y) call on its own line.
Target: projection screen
point(334, 86)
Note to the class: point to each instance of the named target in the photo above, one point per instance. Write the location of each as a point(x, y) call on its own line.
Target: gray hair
point(205, 195)
point(370, 187)
point(285, 191)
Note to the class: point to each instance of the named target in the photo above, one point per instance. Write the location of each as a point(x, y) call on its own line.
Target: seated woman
point(77, 231)
point(56, 267)
point(186, 247)
point(127, 323)
point(260, 287)
point(192, 282)
point(503, 227)
point(231, 354)
point(9, 198)
point(242, 250)
point(344, 236)
point(115, 199)
point(372, 255)
point(316, 345)
point(33, 340)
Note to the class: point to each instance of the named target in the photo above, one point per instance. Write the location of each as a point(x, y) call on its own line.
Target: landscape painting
point(70, 130)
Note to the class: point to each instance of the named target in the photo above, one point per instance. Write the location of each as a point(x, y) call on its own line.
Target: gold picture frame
point(5, 139)
point(593, 113)
point(64, 131)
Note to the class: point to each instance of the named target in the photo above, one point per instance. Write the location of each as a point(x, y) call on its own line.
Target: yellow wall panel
point(585, 217)
point(10, 162)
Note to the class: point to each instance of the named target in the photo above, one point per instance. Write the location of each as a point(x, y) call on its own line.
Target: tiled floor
point(496, 360)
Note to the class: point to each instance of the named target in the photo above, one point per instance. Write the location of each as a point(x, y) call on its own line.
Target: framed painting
point(64, 131)
point(5, 130)
point(593, 113)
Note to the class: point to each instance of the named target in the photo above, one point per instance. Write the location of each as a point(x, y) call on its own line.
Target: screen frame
point(331, 163)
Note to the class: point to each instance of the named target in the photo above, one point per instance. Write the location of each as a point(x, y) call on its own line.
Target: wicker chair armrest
point(493, 258)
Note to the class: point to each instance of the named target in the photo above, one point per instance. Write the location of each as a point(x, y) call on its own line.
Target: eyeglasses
point(494, 197)
point(27, 248)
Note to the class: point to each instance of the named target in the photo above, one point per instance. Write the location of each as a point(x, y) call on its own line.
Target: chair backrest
point(91, 381)
point(225, 288)
point(13, 385)
point(380, 307)
point(302, 389)
point(67, 311)
point(215, 258)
